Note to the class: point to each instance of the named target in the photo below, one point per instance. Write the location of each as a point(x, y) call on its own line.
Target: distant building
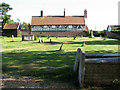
point(58, 25)
point(10, 29)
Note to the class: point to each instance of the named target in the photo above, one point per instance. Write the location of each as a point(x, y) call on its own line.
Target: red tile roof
point(11, 26)
point(58, 20)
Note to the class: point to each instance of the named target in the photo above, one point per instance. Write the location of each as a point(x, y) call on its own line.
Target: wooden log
point(61, 47)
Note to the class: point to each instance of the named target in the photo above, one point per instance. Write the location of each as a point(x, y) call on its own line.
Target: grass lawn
point(44, 62)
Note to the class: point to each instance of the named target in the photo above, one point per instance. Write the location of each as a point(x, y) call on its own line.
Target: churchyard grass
point(44, 61)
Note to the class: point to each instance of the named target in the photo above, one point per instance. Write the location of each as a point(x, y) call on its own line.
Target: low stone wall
point(98, 69)
point(101, 73)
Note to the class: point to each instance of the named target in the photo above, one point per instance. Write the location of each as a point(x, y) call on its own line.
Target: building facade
point(57, 24)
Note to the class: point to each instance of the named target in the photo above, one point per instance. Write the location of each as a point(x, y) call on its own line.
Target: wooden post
point(61, 47)
point(74, 37)
point(50, 40)
point(22, 37)
point(12, 38)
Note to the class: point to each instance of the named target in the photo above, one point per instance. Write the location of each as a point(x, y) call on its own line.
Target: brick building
point(58, 25)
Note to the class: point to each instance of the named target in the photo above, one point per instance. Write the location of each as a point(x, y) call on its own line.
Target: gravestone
point(79, 66)
point(43, 40)
point(39, 40)
point(28, 37)
point(91, 33)
point(12, 38)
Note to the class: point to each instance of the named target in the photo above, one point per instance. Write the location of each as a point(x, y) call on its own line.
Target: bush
point(116, 32)
point(95, 33)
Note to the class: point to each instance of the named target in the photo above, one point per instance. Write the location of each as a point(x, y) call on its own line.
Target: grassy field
point(43, 60)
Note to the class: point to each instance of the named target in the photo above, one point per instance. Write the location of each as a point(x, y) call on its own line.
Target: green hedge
point(116, 31)
point(95, 33)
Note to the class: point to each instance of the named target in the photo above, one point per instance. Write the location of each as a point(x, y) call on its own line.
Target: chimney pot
point(85, 13)
point(41, 13)
point(64, 12)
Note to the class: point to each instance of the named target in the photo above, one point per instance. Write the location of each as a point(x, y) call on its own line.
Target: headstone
point(28, 37)
point(12, 38)
point(79, 66)
point(43, 40)
point(39, 40)
point(91, 33)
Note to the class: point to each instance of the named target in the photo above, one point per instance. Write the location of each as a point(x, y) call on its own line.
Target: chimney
point(41, 13)
point(85, 13)
point(64, 12)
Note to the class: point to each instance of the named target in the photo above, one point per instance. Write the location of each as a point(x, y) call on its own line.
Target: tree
point(25, 26)
point(4, 9)
point(10, 21)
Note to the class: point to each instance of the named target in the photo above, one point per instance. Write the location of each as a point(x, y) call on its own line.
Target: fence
point(97, 69)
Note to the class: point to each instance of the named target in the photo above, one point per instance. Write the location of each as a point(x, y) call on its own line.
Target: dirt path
point(18, 81)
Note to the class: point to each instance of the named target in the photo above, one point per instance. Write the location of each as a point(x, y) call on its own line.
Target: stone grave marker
point(91, 33)
point(39, 40)
point(43, 40)
point(12, 38)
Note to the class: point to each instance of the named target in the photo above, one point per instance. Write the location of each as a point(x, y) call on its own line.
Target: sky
point(100, 13)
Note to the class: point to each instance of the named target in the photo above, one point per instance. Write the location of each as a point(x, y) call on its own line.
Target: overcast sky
point(101, 13)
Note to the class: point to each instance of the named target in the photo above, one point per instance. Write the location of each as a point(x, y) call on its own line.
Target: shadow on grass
point(99, 42)
point(48, 65)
